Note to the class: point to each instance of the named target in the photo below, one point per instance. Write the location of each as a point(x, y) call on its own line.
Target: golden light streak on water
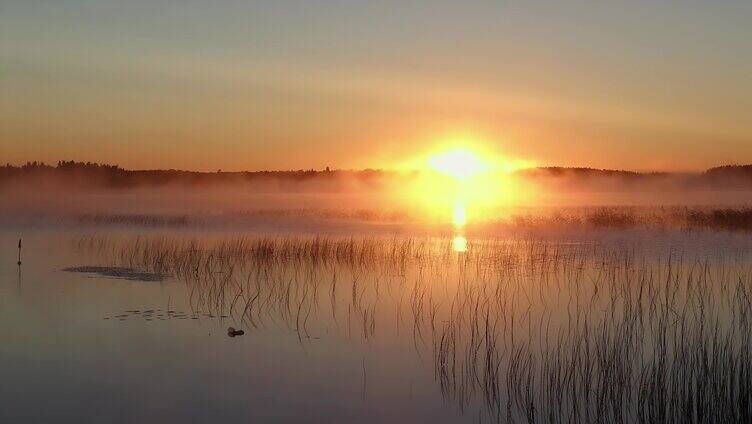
point(459, 244)
point(459, 217)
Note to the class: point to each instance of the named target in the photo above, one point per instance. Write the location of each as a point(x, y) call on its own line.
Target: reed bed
point(733, 219)
point(532, 330)
point(138, 220)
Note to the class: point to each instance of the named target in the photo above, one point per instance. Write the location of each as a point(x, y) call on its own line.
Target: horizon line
point(330, 169)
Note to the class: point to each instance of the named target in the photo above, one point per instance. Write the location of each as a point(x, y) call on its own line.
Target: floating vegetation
point(161, 315)
point(140, 220)
point(119, 272)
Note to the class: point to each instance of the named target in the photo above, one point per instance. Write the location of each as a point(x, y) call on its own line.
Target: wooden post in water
point(19, 251)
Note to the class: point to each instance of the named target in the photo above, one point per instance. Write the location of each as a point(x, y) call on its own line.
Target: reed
point(733, 219)
point(533, 330)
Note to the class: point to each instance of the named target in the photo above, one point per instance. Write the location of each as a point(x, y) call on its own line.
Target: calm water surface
point(70, 351)
point(61, 361)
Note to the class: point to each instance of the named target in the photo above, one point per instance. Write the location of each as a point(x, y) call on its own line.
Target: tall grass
point(616, 217)
point(536, 331)
point(140, 220)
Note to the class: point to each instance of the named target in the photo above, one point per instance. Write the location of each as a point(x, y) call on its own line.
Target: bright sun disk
point(459, 163)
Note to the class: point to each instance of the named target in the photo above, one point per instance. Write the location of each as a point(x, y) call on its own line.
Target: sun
point(457, 183)
point(457, 163)
point(462, 182)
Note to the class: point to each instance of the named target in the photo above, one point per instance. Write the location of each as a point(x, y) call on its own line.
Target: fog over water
point(350, 301)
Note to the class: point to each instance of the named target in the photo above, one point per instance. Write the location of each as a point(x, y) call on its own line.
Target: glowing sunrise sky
point(278, 85)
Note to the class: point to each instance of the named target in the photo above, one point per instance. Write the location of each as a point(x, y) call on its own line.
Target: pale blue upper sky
point(248, 85)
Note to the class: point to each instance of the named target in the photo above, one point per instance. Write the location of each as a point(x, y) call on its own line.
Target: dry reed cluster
point(532, 330)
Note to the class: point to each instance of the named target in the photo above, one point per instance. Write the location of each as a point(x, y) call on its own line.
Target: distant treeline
point(728, 176)
point(113, 176)
point(105, 175)
point(736, 171)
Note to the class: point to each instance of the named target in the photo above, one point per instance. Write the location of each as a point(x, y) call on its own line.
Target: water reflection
point(459, 217)
point(19, 279)
point(459, 244)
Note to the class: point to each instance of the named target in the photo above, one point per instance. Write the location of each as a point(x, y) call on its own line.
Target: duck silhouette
point(231, 332)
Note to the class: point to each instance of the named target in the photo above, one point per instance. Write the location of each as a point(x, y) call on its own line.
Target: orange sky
point(279, 86)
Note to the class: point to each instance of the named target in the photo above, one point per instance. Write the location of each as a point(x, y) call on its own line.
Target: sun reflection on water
point(459, 217)
point(459, 244)
point(460, 183)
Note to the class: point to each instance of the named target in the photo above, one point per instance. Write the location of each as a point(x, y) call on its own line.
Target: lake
point(373, 326)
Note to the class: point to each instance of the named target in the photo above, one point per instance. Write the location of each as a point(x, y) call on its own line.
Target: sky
point(243, 85)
